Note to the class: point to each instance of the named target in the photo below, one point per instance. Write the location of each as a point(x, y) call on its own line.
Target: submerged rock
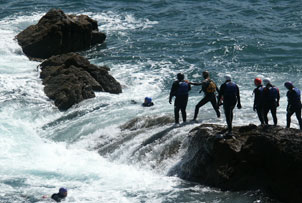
point(70, 78)
point(269, 159)
point(57, 33)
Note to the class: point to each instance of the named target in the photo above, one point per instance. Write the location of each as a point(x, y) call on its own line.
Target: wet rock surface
point(255, 158)
point(71, 78)
point(58, 33)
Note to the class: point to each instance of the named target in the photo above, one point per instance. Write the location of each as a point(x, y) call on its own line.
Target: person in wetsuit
point(180, 89)
point(270, 100)
point(208, 87)
point(258, 107)
point(294, 103)
point(58, 197)
point(229, 91)
point(147, 102)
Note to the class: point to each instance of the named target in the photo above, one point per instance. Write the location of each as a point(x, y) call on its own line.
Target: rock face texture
point(70, 78)
point(57, 33)
point(268, 158)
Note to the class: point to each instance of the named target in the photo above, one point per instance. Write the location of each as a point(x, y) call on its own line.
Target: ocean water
point(148, 43)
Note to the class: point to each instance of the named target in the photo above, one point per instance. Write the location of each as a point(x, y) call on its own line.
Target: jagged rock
point(70, 78)
point(269, 159)
point(57, 33)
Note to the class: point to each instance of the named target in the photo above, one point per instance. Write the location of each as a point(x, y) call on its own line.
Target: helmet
point(205, 74)
point(288, 85)
point(266, 81)
point(62, 190)
point(148, 99)
point(257, 81)
point(180, 76)
point(228, 77)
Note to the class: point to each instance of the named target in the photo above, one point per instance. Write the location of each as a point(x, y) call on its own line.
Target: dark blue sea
point(148, 43)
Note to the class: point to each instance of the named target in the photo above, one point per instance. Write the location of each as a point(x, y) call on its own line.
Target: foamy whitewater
point(148, 43)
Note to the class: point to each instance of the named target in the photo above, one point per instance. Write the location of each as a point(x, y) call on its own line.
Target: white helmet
point(266, 81)
point(228, 77)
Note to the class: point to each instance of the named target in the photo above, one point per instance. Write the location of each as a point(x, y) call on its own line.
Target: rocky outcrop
point(269, 159)
point(70, 78)
point(57, 33)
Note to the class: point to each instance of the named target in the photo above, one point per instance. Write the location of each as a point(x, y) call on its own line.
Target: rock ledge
point(269, 159)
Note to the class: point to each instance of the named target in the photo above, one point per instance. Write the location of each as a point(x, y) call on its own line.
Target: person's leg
point(200, 104)
point(228, 116)
point(260, 115)
point(274, 114)
point(184, 113)
point(288, 116)
point(176, 114)
point(298, 115)
point(215, 106)
point(265, 112)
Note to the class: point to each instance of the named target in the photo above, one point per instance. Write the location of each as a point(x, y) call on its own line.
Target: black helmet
point(180, 76)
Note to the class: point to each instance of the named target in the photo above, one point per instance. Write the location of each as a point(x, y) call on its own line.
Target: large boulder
point(70, 78)
point(269, 159)
point(57, 33)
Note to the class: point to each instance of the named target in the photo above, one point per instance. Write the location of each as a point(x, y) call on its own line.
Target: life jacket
point(183, 89)
point(273, 93)
point(230, 92)
point(210, 86)
point(230, 89)
point(297, 97)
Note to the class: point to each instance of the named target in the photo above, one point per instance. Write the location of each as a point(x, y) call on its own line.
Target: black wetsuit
point(258, 107)
point(209, 97)
point(147, 104)
point(58, 197)
point(270, 101)
point(294, 106)
point(230, 93)
point(182, 95)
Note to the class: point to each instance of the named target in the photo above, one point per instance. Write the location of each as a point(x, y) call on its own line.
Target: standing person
point(58, 197)
point(229, 91)
point(180, 89)
point(257, 100)
point(270, 100)
point(294, 103)
point(208, 87)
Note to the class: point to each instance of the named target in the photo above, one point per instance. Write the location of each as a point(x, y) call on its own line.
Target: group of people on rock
point(266, 98)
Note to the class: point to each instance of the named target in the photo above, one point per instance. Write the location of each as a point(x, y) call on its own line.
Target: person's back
point(229, 91)
point(294, 97)
point(258, 95)
point(180, 89)
point(270, 100)
point(294, 103)
point(209, 88)
point(270, 95)
point(258, 107)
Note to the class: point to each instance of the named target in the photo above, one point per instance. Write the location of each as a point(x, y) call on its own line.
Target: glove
point(239, 106)
point(170, 101)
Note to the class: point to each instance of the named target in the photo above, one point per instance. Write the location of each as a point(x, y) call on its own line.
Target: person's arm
point(195, 83)
point(173, 91)
point(288, 100)
point(278, 97)
point(221, 93)
point(255, 98)
point(238, 98)
point(217, 89)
